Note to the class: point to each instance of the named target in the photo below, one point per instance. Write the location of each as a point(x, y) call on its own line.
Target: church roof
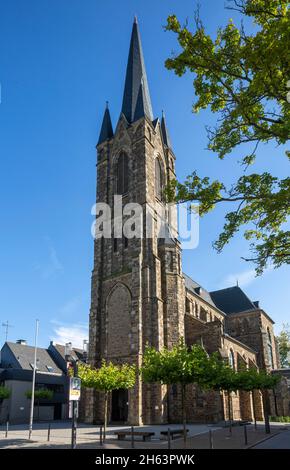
point(165, 133)
point(232, 300)
point(196, 288)
point(136, 99)
point(107, 128)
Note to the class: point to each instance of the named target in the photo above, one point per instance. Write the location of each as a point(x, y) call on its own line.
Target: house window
point(122, 174)
point(270, 349)
point(158, 179)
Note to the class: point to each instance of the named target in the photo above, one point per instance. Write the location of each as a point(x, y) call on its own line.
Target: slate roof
point(196, 288)
point(25, 357)
point(77, 354)
point(136, 99)
point(107, 128)
point(232, 300)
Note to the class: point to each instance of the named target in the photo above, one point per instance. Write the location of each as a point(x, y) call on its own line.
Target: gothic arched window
point(158, 179)
point(270, 349)
point(232, 359)
point(122, 174)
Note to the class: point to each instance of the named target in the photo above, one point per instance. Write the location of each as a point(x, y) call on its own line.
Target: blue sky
point(59, 62)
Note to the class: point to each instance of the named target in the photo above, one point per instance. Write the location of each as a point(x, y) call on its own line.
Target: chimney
point(22, 342)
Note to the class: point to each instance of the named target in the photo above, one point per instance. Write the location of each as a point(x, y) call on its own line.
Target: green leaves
point(4, 392)
point(42, 394)
point(183, 365)
point(177, 366)
point(242, 77)
point(284, 345)
point(108, 377)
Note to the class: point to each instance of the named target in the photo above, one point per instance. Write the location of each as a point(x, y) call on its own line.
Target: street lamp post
point(74, 403)
point(33, 380)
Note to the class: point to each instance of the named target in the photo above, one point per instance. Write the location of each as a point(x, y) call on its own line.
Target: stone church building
point(139, 292)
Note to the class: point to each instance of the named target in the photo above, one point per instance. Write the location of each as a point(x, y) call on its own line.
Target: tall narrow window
point(158, 179)
point(270, 349)
point(232, 359)
point(122, 174)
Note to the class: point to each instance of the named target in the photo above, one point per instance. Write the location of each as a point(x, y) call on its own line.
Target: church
point(139, 292)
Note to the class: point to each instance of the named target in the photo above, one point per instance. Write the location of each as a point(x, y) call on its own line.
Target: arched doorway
point(119, 406)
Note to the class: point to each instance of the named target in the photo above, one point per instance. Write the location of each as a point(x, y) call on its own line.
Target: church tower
point(137, 288)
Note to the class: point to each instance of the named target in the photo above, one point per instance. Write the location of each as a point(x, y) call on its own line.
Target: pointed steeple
point(136, 99)
point(107, 128)
point(165, 133)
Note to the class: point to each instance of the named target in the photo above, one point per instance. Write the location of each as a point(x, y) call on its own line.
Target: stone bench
point(146, 436)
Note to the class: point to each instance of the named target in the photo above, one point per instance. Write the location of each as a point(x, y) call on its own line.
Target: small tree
point(42, 394)
point(222, 377)
point(284, 345)
point(179, 366)
point(251, 380)
point(107, 378)
point(4, 393)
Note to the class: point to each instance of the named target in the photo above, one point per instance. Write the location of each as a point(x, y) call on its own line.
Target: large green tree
point(107, 378)
point(181, 366)
point(244, 78)
point(284, 345)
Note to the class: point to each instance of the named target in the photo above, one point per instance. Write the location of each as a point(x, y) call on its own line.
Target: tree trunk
point(168, 403)
point(266, 411)
point(183, 412)
point(230, 411)
point(105, 415)
point(254, 408)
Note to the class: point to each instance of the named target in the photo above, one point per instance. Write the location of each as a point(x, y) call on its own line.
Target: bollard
point(7, 429)
point(132, 437)
point(168, 438)
point(101, 435)
point(48, 432)
point(210, 439)
point(246, 434)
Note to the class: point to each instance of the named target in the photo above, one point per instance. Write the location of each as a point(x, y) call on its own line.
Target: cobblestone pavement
point(88, 437)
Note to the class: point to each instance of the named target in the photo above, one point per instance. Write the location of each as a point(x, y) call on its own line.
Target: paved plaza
point(88, 437)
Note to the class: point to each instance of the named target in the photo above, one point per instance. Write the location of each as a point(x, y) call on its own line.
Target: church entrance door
point(119, 406)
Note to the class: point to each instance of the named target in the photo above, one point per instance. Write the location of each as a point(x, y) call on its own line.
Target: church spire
point(136, 99)
point(164, 130)
point(106, 129)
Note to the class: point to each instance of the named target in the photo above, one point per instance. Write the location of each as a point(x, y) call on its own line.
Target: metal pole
point(101, 435)
point(210, 439)
point(246, 434)
point(74, 414)
point(132, 437)
point(48, 433)
point(33, 380)
point(7, 429)
point(168, 438)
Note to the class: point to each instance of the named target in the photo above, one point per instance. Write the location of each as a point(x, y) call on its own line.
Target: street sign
point(74, 389)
